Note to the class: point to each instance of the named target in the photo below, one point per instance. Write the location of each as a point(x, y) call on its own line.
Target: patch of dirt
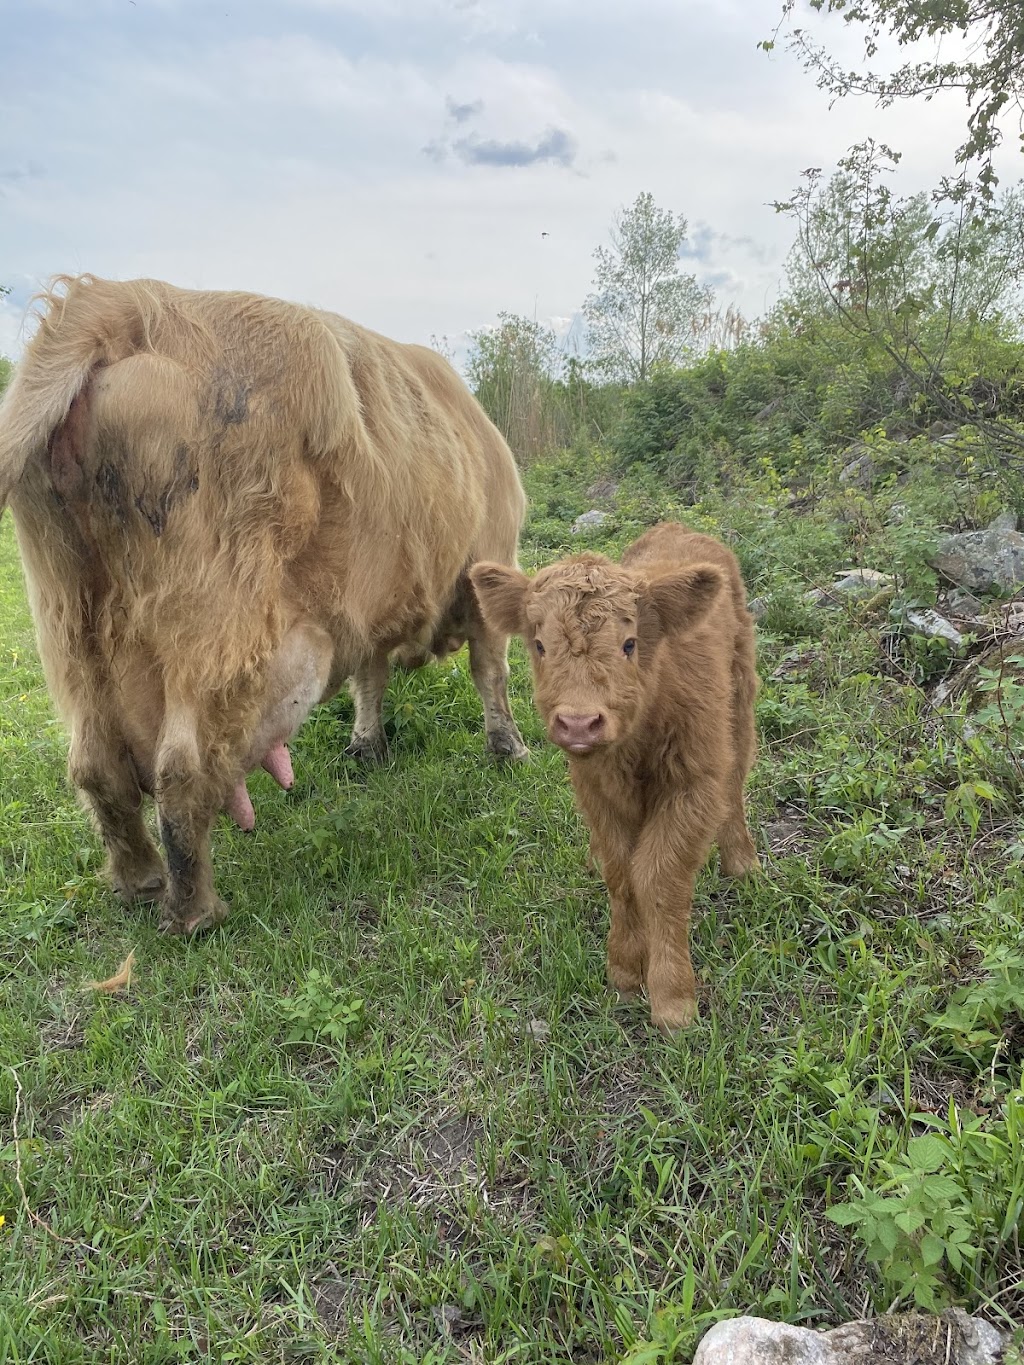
point(336, 1298)
point(903, 1338)
point(786, 836)
point(421, 1167)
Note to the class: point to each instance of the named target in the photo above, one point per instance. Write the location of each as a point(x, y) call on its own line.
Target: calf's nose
point(577, 732)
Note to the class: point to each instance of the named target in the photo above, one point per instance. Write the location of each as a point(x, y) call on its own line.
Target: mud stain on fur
point(180, 863)
point(231, 400)
point(112, 489)
point(156, 509)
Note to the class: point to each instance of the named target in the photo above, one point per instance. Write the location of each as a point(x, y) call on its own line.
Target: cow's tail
point(55, 369)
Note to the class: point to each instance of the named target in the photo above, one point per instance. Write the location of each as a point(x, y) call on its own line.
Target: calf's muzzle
point(578, 734)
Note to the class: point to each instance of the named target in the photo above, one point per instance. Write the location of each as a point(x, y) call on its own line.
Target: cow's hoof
point(195, 921)
point(506, 745)
point(674, 1018)
point(367, 748)
point(142, 883)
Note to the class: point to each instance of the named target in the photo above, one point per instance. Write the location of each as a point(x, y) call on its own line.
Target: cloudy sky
point(401, 160)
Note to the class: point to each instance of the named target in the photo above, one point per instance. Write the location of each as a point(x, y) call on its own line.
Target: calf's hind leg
point(101, 767)
point(737, 852)
point(188, 799)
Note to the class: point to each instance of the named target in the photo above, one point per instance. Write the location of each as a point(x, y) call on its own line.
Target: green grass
point(478, 1157)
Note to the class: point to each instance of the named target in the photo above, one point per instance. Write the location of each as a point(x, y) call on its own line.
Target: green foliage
point(978, 1019)
point(320, 1012)
point(933, 1210)
point(987, 63)
point(539, 399)
point(862, 844)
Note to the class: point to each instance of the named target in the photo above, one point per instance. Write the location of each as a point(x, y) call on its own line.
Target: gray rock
point(603, 490)
point(850, 584)
point(984, 561)
point(964, 604)
point(758, 608)
point(769, 410)
point(933, 626)
point(861, 472)
point(1005, 521)
point(447, 1316)
point(589, 521)
point(755, 1341)
point(919, 1339)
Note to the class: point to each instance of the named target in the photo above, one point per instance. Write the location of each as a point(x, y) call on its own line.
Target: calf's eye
point(628, 648)
point(540, 648)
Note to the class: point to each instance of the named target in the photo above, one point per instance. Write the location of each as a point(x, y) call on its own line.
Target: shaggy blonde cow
point(645, 674)
point(227, 505)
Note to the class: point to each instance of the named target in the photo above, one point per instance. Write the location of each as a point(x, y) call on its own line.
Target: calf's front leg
point(627, 939)
point(672, 848)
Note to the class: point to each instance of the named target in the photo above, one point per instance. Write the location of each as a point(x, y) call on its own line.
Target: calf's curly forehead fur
point(585, 592)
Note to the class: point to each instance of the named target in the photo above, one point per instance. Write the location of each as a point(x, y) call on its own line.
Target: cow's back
point(233, 464)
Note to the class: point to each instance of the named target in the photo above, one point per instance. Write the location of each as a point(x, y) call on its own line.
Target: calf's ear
point(501, 593)
point(679, 601)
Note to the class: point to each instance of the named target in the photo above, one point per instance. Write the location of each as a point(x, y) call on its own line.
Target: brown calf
point(644, 673)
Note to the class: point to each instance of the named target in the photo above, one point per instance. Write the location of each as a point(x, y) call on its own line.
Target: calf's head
point(591, 630)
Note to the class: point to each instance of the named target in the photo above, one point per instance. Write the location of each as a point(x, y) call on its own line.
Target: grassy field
point(390, 1113)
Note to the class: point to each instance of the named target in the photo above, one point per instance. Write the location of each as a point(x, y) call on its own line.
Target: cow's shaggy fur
point(645, 673)
point(226, 505)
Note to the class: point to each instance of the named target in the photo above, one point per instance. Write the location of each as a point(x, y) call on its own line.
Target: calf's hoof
point(671, 1019)
point(367, 748)
point(739, 864)
point(184, 922)
point(507, 745)
point(624, 981)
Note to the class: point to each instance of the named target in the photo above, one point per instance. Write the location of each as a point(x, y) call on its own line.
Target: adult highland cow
point(227, 505)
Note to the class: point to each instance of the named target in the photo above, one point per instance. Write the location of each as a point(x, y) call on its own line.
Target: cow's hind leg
point(188, 798)
point(101, 767)
point(488, 663)
point(367, 685)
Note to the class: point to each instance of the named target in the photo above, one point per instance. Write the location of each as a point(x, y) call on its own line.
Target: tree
point(511, 371)
point(644, 311)
point(901, 259)
point(927, 302)
point(991, 73)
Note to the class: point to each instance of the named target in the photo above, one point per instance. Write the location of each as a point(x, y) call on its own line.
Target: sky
point(417, 165)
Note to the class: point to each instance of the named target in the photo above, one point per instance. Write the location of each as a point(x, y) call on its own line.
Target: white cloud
point(281, 147)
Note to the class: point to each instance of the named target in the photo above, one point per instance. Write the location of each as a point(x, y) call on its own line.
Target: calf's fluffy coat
point(645, 674)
